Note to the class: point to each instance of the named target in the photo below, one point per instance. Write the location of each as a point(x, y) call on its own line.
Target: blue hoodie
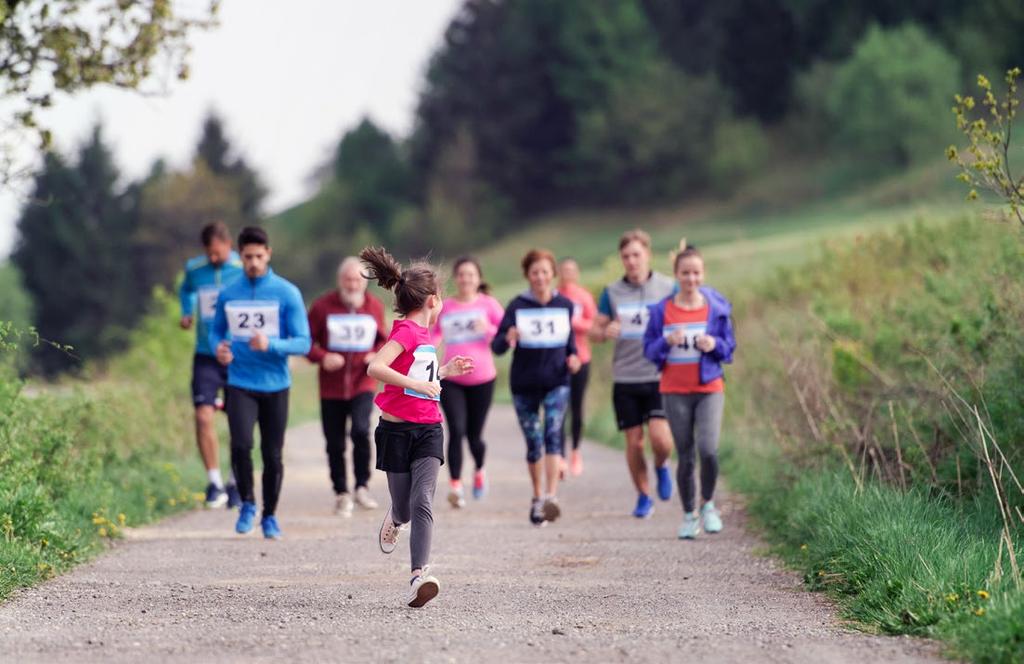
point(656, 348)
point(273, 306)
point(199, 289)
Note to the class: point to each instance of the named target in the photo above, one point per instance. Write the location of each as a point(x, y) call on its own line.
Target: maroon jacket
point(351, 379)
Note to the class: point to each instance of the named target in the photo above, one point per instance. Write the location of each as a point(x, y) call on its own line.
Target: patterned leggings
point(547, 437)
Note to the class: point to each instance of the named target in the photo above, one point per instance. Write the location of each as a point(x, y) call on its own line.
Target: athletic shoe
point(270, 528)
point(389, 533)
point(246, 516)
point(234, 498)
point(664, 482)
point(364, 499)
point(537, 512)
point(712, 520)
point(343, 505)
point(644, 506)
point(423, 588)
point(479, 484)
point(551, 509)
point(456, 496)
point(576, 464)
point(690, 526)
point(216, 496)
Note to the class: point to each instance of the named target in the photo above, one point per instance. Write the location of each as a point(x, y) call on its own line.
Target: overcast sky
point(288, 79)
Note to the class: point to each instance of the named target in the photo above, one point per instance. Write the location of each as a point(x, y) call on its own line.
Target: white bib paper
point(686, 352)
point(460, 327)
point(547, 327)
point(424, 367)
point(351, 333)
point(208, 302)
point(633, 320)
point(247, 317)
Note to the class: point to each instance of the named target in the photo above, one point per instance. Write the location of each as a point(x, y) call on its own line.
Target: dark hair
point(635, 235)
point(685, 251)
point(253, 235)
point(412, 286)
point(484, 287)
point(534, 255)
point(216, 230)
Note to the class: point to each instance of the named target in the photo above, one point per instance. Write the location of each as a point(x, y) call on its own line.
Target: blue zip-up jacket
point(539, 369)
point(256, 305)
point(199, 289)
point(656, 348)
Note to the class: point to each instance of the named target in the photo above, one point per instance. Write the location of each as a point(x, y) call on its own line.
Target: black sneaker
point(537, 512)
point(234, 498)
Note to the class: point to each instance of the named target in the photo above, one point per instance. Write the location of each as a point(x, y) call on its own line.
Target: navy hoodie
point(546, 341)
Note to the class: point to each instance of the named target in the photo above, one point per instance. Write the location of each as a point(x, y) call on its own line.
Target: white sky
point(287, 78)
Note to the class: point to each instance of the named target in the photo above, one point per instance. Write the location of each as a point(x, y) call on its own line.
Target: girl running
point(584, 310)
point(689, 335)
point(537, 324)
point(466, 325)
point(409, 439)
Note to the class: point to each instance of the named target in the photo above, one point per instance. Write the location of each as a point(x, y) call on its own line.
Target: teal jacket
point(199, 289)
point(267, 304)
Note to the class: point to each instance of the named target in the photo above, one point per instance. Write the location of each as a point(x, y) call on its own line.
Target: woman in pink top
point(466, 326)
point(582, 320)
point(409, 437)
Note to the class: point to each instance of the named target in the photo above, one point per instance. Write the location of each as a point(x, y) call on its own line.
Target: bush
point(740, 151)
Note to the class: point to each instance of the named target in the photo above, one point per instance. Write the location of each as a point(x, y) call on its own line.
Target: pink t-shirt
point(466, 328)
point(418, 360)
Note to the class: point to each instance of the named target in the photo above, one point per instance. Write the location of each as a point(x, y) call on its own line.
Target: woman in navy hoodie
point(537, 325)
point(689, 337)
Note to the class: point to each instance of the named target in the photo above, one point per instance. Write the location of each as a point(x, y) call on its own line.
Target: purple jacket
point(719, 326)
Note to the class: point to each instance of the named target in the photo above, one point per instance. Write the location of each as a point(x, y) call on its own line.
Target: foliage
point(740, 150)
point(53, 46)
point(987, 162)
point(216, 153)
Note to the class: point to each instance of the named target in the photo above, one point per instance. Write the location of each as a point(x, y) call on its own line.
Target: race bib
point(547, 327)
point(633, 320)
point(424, 367)
point(351, 333)
point(208, 302)
point(686, 352)
point(247, 317)
point(462, 327)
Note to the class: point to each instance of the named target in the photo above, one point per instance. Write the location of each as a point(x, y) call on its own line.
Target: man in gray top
point(622, 315)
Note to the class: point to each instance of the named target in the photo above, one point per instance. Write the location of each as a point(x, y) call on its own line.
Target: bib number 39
point(424, 368)
point(245, 319)
point(352, 333)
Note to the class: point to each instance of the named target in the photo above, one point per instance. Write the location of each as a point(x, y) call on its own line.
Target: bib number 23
point(245, 319)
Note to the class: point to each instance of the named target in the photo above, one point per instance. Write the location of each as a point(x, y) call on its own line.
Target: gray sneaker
point(343, 505)
point(365, 500)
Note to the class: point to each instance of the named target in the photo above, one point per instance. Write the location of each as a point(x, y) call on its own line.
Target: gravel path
point(597, 586)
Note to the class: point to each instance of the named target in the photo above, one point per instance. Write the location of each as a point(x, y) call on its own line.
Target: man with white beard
point(347, 326)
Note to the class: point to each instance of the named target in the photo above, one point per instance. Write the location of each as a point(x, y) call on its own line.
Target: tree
point(215, 150)
point(51, 46)
point(75, 256)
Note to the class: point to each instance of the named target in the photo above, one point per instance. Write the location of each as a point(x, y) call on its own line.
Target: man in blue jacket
point(260, 320)
point(205, 277)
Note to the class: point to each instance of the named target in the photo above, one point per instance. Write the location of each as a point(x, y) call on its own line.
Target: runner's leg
point(273, 420)
point(332, 419)
point(680, 410)
point(243, 411)
point(478, 403)
point(361, 407)
point(453, 401)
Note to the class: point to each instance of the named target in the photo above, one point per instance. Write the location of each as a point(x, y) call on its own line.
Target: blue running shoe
point(270, 528)
point(246, 516)
point(234, 498)
point(644, 506)
point(215, 496)
point(664, 482)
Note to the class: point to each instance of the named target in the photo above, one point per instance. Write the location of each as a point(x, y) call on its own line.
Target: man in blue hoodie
point(205, 277)
point(259, 321)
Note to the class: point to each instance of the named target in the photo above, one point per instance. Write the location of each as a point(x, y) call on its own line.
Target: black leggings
point(465, 410)
point(333, 414)
point(577, 392)
point(245, 409)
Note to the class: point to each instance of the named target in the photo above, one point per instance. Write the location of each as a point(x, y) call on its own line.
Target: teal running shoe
point(270, 528)
point(246, 516)
point(664, 482)
point(644, 506)
point(690, 526)
point(712, 520)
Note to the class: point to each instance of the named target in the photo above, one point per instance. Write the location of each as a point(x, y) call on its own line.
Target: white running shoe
point(690, 526)
point(423, 589)
point(456, 497)
point(364, 499)
point(711, 518)
point(389, 533)
point(551, 509)
point(343, 505)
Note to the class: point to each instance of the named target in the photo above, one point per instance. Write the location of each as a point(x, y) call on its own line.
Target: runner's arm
point(186, 293)
point(380, 368)
point(656, 348)
point(298, 341)
point(499, 344)
point(604, 316)
point(725, 344)
point(219, 327)
point(316, 322)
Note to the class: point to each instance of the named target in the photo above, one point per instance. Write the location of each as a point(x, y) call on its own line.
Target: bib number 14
point(424, 368)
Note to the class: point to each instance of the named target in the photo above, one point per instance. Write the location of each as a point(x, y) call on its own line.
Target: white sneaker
point(457, 497)
point(389, 533)
point(423, 589)
point(343, 505)
point(364, 499)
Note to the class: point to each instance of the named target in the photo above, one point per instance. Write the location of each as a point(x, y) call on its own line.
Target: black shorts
point(635, 403)
point(401, 443)
point(208, 377)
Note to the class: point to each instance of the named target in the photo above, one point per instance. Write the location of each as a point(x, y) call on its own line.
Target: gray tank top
point(627, 303)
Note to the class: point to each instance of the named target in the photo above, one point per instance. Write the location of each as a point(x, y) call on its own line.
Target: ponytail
point(412, 286)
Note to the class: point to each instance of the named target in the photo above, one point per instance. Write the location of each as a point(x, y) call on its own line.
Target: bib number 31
point(424, 368)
